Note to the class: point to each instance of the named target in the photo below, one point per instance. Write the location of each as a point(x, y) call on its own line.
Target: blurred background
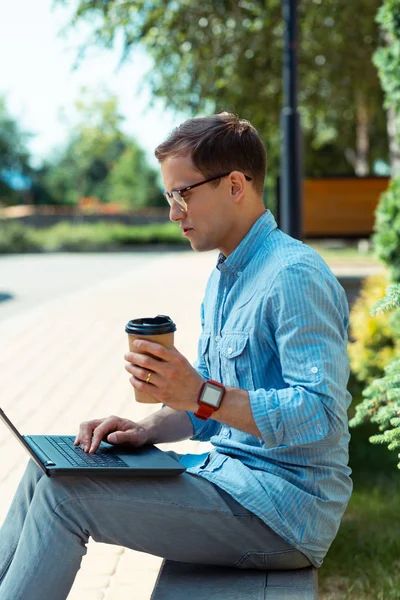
point(88, 89)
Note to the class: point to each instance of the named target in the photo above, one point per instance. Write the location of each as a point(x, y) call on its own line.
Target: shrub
point(381, 403)
point(64, 236)
point(387, 227)
point(374, 344)
point(15, 237)
point(86, 237)
point(156, 233)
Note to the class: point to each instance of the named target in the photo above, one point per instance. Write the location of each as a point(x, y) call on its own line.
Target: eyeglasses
point(177, 194)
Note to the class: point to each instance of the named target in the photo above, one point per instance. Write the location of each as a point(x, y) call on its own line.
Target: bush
point(158, 233)
point(86, 237)
point(387, 227)
point(375, 341)
point(15, 237)
point(381, 403)
point(64, 236)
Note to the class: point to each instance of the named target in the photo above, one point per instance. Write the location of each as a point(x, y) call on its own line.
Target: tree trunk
point(394, 137)
point(361, 165)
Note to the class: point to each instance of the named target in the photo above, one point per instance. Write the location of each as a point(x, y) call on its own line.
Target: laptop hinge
point(41, 455)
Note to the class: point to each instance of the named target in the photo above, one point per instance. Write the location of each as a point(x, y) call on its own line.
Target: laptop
point(57, 455)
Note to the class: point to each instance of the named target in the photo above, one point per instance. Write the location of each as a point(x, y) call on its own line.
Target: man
point(274, 319)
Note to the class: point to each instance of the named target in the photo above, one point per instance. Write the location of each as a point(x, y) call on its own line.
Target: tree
point(101, 161)
point(132, 183)
point(223, 54)
point(14, 156)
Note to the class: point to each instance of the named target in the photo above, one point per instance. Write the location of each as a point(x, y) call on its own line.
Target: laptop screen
point(20, 438)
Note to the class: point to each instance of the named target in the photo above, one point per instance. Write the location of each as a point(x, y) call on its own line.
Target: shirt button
point(230, 350)
point(217, 338)
point(314, 370)
point(225, 432)
point(239, 273)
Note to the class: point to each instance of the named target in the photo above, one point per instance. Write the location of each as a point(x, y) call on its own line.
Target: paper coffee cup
point(159, 329)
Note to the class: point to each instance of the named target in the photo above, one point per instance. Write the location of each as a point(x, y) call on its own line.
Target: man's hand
point(113, 430)
point(173, 380)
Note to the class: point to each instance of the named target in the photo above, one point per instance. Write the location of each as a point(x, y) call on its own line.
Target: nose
point(176, 214)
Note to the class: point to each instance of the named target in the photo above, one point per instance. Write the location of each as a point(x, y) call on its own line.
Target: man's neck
point(242, 232)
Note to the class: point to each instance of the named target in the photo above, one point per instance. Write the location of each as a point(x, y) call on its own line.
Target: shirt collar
point(242, 254)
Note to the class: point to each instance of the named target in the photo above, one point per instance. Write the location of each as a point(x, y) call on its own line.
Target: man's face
point(208, 221)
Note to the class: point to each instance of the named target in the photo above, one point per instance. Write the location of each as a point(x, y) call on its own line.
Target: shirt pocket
point(235, 361)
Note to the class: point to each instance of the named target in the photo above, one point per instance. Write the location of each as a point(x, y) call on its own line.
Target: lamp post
point(290, 205)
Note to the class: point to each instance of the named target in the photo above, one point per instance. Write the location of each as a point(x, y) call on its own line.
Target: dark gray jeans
point(183, 518)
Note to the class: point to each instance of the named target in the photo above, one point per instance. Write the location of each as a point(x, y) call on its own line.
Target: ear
point(238, 186)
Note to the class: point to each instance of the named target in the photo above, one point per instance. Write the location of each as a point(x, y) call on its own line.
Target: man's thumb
point(136, 438)
point(118, 437)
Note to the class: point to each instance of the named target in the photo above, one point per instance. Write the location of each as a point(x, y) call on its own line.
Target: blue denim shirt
point(274, 322)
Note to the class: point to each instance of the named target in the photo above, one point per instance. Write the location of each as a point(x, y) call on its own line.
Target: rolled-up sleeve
point(306, 313)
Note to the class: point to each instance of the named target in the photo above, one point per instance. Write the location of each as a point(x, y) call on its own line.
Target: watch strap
point(204, 412)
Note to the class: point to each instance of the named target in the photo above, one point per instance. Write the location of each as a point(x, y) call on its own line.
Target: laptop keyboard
point(77, 457)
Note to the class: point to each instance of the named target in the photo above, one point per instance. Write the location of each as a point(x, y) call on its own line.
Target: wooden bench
point(185, 581)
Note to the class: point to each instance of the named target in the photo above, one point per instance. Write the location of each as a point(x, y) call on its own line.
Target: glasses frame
point(176, 193)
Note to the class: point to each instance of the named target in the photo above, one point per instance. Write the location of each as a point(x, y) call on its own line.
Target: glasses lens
point(179, 200)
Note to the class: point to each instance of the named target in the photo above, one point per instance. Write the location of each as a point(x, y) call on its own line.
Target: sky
point(40, 85)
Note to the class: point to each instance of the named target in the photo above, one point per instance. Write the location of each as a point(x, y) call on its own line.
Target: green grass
point(363, 561)
point(348, 253)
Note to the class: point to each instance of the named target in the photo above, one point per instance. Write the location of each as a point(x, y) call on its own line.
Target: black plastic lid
point(150, 325)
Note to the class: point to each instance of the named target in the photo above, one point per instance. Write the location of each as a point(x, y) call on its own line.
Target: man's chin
point(195, 247)
point(203, 248)
point(201, 245)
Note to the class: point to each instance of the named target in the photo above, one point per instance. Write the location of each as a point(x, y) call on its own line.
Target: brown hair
point(217, 144)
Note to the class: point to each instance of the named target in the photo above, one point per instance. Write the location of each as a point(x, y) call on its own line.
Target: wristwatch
point(210, 399)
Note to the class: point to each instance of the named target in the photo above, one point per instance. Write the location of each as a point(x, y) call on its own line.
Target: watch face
point(211, 395)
